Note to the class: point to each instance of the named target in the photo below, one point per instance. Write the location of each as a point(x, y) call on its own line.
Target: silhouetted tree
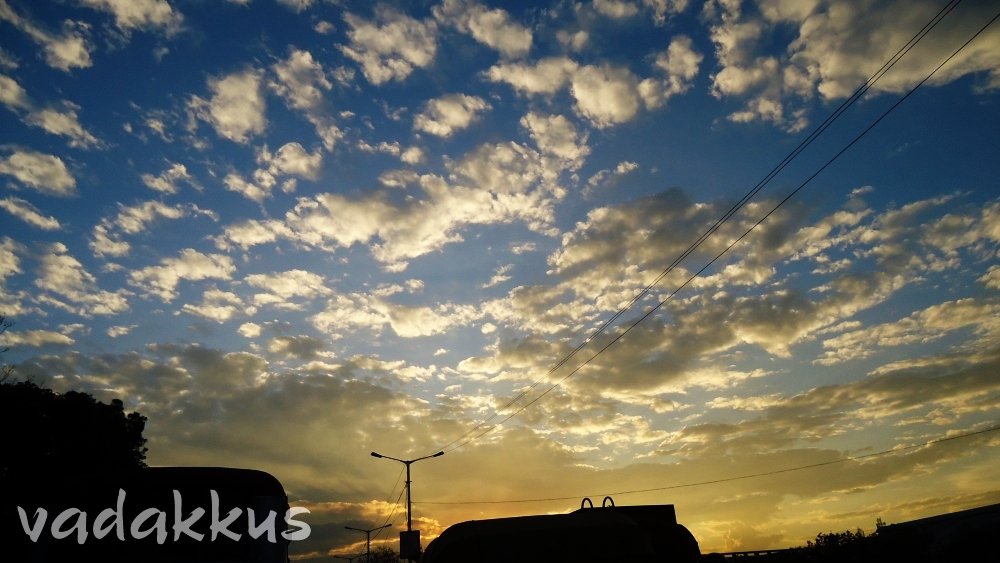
point(383, 554)
point(6, 370)
point(49, 436)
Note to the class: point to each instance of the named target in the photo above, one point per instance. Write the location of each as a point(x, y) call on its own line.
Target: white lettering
point(40, 515)
point(303, 529)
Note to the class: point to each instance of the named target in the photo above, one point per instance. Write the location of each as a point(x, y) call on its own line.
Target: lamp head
point(438, 454)
point(376, 454)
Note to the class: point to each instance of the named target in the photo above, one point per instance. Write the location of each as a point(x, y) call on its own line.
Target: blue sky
point(292, 232)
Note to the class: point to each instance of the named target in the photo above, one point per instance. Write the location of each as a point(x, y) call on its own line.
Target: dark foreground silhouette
point(151, 515)
point(610, 533)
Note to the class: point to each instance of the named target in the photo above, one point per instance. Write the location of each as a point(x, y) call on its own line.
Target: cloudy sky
point(291, 232)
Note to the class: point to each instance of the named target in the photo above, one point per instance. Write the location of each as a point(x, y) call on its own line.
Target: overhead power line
point(734, 478)
point(465, 439)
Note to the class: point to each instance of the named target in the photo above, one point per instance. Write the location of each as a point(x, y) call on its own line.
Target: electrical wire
point(739, 239)
point(735, 478)
point(844, 106)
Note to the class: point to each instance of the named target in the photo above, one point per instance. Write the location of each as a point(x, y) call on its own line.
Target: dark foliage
point(48, 436)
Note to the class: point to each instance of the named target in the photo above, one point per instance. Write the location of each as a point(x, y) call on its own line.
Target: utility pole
point(368, 539)
point(407, 552)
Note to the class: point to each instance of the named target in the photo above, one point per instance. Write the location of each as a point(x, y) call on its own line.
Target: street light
point(348, 557)
point(368, 537)
point(407, 463)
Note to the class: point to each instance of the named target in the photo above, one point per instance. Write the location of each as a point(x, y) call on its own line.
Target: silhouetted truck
point(646, 533)
point(150, 515)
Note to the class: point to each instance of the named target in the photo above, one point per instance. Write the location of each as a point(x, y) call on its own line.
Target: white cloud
point(64, 52)
point(606, 95)
point(491, 27)
point(140, 14)
point(250, 330)
point(301, 80)
point(108, 236)
point(834, 48)
point(45, 173)
point(283, 289)
point(680, 62)
point(390, 47)
point(412, 155)
point(30, 214)
point(921, 327)
point(662, 9)
point(547, 76)
point(13, 95)
point(63, 275)
point(252, 233)
point(291, 159)
point(556, 135)
point(450, 113)
point(236, 109)
point(117, 331)
point(361, 311)
point(34, 338)
point(191, 265)
point(218, 306)
point(167, 181)
point(297, 6)
point(617, 9)
point(60, 119)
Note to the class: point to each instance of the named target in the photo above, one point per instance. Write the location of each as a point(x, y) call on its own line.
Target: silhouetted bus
point(150, 515)
point(648, 533)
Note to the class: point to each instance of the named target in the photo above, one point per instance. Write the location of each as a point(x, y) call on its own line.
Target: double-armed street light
point(409, 541)
point(407, 463)
point(368, 538)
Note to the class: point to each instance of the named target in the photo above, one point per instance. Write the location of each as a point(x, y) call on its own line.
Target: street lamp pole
point(368, 538)
point(407, 463)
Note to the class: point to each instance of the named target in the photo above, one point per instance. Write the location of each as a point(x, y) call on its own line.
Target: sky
point(292, 232)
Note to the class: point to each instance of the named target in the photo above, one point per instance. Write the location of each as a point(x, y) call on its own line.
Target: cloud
point(282, 289)
point(297, 6)
point(372, 312)
point(392, 46)
point(60, 119)
point(34, 338)
point(140, 14)
point(547, 76)
point(236, 109)
point(617, 9)
point(249, 330)
point(167, 181)
point(690, 342)
point(108, 236)
point(301, 347)
point(291, 159)
point(162, 280)
point(680, 63)
point(835, 48)
point(491, 184)
point(450, 113)
point(67, 51)
point(218, 306)
point(71, 287)
point(491, 27)
point(302, 81)
point(921, 327)
point(44, 173)
point(556, 135)
point(30, 214)
point(606, 95)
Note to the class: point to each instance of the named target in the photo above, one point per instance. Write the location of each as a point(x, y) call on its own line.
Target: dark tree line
point(48, 437)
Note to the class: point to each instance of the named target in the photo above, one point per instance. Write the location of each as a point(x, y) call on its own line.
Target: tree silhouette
point(49, 436)
point(6, 370)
